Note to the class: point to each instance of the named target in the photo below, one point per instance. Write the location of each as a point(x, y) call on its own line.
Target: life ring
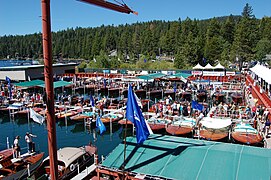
point(72, 167)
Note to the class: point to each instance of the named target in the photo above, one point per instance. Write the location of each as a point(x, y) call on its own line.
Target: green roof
point(183, 158)
point(151, 76)
point(157, 75)
point(184, 75)
point(30, 83)
point(58, 84)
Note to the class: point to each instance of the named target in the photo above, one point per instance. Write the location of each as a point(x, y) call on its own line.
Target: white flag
point(36, 117)
point(138, 101)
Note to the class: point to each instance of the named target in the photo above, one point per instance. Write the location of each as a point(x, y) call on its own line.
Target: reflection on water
point(68, 134)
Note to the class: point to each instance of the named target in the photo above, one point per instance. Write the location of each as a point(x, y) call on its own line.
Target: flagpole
point(124, 151)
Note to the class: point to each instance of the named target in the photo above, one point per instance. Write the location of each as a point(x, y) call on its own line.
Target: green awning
point(28, 84)
point(58, 84)
point(173, 157)
point(184, 75)
point(157, 75)
point(145, 77)
point(151, 76)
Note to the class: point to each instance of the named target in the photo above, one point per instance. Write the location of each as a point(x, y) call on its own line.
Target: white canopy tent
point(263, 72)
point(208, 66)
point(219, 66)
point(198, 66)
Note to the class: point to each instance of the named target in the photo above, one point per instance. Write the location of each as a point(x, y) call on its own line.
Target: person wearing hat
point(28, 139)
point(16, 147)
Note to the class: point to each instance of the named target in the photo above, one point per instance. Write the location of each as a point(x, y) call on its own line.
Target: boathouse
point(169, 157)
point(22, 73)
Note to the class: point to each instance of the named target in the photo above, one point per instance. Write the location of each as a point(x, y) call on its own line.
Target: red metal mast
point(48, 75)
point(105, 4)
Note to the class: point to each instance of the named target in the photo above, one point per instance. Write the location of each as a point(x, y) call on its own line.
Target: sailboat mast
point(48, 76)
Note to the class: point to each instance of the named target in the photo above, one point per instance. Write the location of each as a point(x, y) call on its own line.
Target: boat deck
point(85, 172)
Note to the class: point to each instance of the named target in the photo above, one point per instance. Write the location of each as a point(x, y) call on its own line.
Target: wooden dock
point(268, 143)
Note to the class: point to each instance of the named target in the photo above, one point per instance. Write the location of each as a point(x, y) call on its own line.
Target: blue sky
point(23, 16)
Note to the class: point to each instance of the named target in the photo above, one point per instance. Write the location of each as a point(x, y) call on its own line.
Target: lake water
point(74, 134)
point(8, 63)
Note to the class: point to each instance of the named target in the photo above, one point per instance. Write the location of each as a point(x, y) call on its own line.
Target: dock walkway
point(85, 172)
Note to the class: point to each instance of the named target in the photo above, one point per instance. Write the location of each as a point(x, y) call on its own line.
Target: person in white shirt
point(28, 139)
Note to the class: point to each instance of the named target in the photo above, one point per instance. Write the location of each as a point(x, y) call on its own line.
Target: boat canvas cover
point(183, 158)
point(68, 155)
point(215, 123)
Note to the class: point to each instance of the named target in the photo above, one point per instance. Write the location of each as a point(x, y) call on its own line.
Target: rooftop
point(183, 158)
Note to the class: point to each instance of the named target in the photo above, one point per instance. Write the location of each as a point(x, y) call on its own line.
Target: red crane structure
point(120, 7)
point(48, 72)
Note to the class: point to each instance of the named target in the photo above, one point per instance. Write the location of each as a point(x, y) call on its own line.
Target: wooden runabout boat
point(25, 111)
point(246, 134)
point(82, 116)
point(219, 97)
point(70, 160)
point(187, 96)
point(17, 168)
point(202, 96)
point(111, 117)
point(123, 122)
point(215, 128)
point(237, 98)
point(158, 124)
point(181, 126)
point(6, 154)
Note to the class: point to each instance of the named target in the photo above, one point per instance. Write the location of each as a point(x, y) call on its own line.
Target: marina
point(156, 100)
point(225, 119)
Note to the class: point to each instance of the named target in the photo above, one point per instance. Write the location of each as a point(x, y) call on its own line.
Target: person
point(16, 147)
point(30, 144)
point(200, 117)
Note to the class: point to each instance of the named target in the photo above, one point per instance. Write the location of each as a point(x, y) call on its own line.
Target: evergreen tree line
point(224, 39)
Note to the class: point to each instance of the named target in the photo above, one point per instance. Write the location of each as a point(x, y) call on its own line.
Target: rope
point(203, 160)
point(239, 161)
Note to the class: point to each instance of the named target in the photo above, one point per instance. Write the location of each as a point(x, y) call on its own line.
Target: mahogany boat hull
point(178, 130)
point(213, 135)
point(79, 117)
point(123, 122)
point(157, 127)
point(247, 138)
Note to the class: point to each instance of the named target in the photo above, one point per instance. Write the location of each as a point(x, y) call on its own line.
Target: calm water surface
point(74, 134)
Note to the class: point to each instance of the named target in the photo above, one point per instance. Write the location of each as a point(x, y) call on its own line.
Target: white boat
point(71, 160)
point(215, 128)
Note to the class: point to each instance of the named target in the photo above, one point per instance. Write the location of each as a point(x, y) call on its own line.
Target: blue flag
point(197, 106)
point(9, 86)
point(92, 102)
point(104, 83)
point(134, 114)
point(100, 125)
point(175, 87)
point(204, 60)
